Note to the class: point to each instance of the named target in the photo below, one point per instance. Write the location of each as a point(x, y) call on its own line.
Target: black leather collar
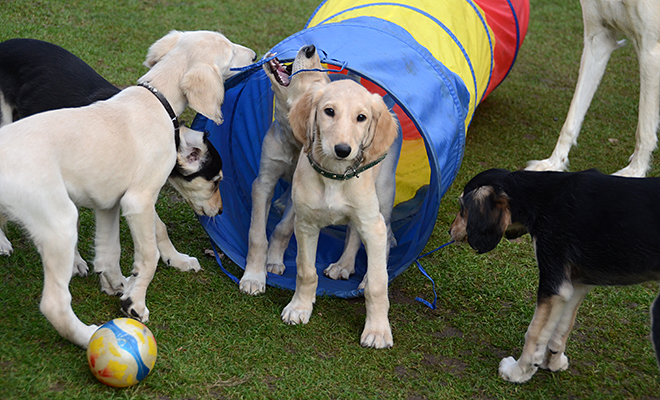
point(168, 108)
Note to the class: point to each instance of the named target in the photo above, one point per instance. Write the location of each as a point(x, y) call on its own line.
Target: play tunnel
point(433, 61)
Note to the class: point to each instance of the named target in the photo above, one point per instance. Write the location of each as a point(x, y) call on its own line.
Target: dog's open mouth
point(281, 72)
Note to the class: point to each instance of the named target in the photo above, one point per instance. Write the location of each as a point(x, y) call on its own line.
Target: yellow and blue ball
point(122, 352)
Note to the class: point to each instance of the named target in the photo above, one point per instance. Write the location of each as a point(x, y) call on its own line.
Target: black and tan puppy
point(588, 229)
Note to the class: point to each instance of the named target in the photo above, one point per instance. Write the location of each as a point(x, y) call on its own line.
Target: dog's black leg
point(655, 327)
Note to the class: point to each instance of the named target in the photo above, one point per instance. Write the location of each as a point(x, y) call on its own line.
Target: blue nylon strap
point(264, 60)
point(217, 259)
point(423, 271)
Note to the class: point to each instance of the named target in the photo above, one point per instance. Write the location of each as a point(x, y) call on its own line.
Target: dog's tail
point(655, 328)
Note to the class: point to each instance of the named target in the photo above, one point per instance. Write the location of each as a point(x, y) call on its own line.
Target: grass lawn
point(216, 343)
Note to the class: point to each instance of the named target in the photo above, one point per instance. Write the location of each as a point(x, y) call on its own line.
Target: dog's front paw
point(5, 245)
point(294, 314)
point(546, 165)
point(511, 371)
point(555, 363)
point(377, 339)
point(338, 271)
point(276, 268)
point(253, 284)
point(183, 262)
point(135, 310)
point(112, 285)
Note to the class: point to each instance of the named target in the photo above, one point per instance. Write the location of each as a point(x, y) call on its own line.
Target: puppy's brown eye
point(329, 112)
point(361, 118)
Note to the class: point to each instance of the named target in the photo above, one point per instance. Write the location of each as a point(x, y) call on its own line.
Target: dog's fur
point(279, 154)
point(37, 76)
point(639, 20)
point(112, 154)
point(338, 124)
point(588, 229)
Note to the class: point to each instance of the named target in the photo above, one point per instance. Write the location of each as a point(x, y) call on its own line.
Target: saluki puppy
point(279, 154)
point(37, 76)
point(346, 132)
point(112, 155)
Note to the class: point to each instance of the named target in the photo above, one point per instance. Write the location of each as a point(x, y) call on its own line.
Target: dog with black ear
point(588, 229)
point(38, 76)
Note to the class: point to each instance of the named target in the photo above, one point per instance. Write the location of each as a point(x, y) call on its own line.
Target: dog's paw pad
point(276, 268)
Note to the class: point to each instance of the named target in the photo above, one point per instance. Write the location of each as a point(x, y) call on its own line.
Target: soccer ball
point(122, 352)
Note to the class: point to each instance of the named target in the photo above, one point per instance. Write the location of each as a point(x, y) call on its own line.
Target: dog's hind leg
point(549, 310)
point(555, 360)
point(599, 43)
point(279, 241)
point(56, 241)
point(108, 252)
point(169, 254)
point(345, 266)
point(647, 124)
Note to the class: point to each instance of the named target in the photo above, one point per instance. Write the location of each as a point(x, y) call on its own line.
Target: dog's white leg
point(279, 241)
point(6, 112)
point(377, 332)
point(254, 278)
point(169, 254)
point(647, 124)
point(599, 43)
point(108, 252)
point(300, 308)
point(345, 266)
point(56, 244)
point(142, 224)
point(548, 313)
point(555, 360)
point(80, 267)
point(5, 245)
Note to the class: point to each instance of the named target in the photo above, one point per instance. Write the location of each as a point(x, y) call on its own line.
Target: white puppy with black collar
point(111, 155)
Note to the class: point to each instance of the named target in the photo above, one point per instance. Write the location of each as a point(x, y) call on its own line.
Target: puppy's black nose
point(342, 150)
point(309, 50)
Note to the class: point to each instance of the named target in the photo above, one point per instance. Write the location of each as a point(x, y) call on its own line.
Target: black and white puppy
point(588, 229)
point(37, 76)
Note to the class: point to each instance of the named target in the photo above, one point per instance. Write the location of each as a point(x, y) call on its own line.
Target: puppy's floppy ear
point(488, 217)
point(302, 117)
point(383, 130)
point(161, 47)
point(204, 88)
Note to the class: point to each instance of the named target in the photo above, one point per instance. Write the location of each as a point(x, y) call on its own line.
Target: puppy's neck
point(168, 87)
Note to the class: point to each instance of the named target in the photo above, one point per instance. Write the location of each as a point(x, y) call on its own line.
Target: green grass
point(215, 343)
